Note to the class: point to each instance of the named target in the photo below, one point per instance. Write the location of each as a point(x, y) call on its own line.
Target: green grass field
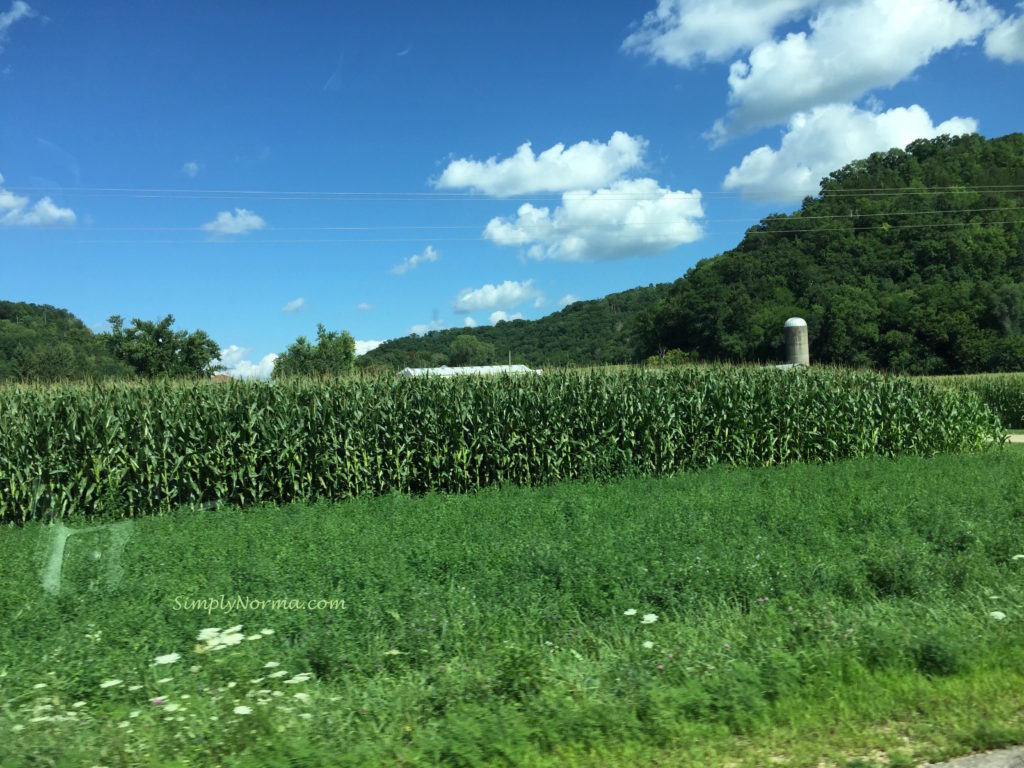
point(850, 614)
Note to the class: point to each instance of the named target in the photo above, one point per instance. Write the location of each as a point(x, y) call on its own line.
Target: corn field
point(123, 450)
point(1003, 393)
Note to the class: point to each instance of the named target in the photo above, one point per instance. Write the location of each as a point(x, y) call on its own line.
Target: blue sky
point(257, 168)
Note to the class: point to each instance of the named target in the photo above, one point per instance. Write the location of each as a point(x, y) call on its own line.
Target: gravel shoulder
point(1000, 758)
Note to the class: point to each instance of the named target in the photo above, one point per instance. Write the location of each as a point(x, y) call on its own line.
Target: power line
point(418, 196)
point(350, 241)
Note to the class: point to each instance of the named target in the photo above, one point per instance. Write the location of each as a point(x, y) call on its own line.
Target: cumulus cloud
point(364, 346)
point(237, 365)
point(190, 169)
point(364, 307)
point(1006, 40)
point(19, 10)
point(428, 255)
point(470, 322)
point(585, 165)
point(685, 32)
point(421, 328)
point(500, 315)
point(294, 305)
point(630, 218)
point(568, 299)
point(238, 223)
point(18, 211)
point(826, 138)
point(504, 296)
point(852, 47)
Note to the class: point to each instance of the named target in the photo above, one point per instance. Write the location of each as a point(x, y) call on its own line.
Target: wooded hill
point(909, 260)
point(44, 343)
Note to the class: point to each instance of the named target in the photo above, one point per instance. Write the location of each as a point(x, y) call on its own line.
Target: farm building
point(479, 370)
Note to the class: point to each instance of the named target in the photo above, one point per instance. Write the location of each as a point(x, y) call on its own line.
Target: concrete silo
point(797, 347)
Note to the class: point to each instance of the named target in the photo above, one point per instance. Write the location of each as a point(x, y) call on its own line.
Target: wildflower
point(172, 707)
point(232, 684)
point(78, 704)
point(257, 636)
point(661, 667)
point(210, 633)
point(629, 612)
point(998, 615)
point(299, 678)
point(271, 664)
point(163, 680)
point(39, 685)
point(110, 683)
point(158, 701)
point(168, 658)
point(303, 697)
point(393, 652)
point(1017, 557)
point(266, 631)
point(649, 618)
point(726, 646)
point(133, 713)
point(194, 668)
point(256, 680)
point(648, 644)
point(241, 709)
point(134, 687)
point(305, 716)
point(279, 673)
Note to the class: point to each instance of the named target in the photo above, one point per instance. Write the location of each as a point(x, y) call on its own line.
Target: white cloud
point(364, 307)
point(362, 347)
point(568, 299)
point(17, 211)
point(1006, 40)
point(294, 305)
point(470, 322)
point(233, 358)
point(428, 255)
point(585, 165)
point(852, 47)
point(630, 218)
point(499, 315)
point(684, 32)
point(190, 169)
point(19, 10)
point(504, 296)
point(422, 328)
point(827, 138)
point(237, 223)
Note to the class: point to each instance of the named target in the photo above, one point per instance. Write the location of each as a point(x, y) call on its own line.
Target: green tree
point(469, 350)
point(154, 349)
point(334, 354)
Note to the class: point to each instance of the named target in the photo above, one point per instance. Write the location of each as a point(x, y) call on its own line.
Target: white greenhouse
point(478, 370)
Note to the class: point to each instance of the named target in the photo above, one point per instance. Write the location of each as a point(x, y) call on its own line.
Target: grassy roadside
point(807, 613)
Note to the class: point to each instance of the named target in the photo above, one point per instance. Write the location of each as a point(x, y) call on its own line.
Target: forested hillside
point(43, 343)
point(908, 260)
point(608, 330)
